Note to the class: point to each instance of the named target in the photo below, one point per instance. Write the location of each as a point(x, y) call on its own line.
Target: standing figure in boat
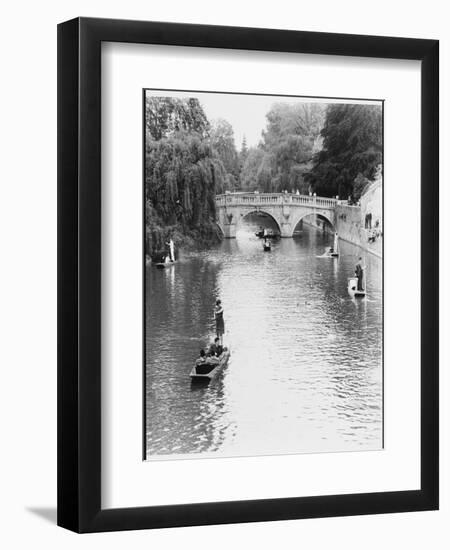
point(332, 251)
point(359, 272)
point(170, 247)
point(266, 245)
point(220, 324)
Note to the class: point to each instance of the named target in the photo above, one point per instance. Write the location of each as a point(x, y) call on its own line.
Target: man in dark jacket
point(359, 272)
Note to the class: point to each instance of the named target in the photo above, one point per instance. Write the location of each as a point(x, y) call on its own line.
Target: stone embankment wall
point(351, 221)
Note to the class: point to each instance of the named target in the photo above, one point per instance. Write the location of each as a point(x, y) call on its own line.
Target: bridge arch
point(304, 215)
point(247, 212)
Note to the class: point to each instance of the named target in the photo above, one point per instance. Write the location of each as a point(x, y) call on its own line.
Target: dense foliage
point(165, 116)
point(222, 141)
point(352, 150)
point(282, 157)
point(183, 172)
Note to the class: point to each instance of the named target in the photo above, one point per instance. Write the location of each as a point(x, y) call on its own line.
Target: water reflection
point(305, 371)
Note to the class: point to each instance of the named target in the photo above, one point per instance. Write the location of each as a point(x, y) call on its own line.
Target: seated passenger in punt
point(202, 357)
point(212, 355)
point(215, 349)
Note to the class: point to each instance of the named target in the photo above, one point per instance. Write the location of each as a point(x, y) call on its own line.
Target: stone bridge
point(285, 208)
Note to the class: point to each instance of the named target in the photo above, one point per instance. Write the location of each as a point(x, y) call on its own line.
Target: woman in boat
point(170, 247)
point(220, 325)
point(202, 357)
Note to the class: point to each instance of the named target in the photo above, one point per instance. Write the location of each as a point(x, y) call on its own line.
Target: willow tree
point(183, 173)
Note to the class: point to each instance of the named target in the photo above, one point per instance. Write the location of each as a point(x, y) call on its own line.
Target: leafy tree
point(290, 136)
point(244, 148)
point(352, 147)
point(242, 157)
point(265, 181)
point(165, 116)
point(222, 141)
point(249, 172)
point(299, 119)
point(360, 184)
point(287, 144)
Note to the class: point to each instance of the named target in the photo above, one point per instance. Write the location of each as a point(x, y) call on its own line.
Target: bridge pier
point(286, 230)
point(229, 231)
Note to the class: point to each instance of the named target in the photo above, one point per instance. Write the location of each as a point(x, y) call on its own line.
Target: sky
point(246, 113)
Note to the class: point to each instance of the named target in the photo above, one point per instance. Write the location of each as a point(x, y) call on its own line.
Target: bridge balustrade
point(274, 199)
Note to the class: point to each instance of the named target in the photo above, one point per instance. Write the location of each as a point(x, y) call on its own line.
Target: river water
point(305, 371)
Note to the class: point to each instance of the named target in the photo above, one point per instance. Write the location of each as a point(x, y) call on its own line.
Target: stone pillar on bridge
point(286, 229)
point(227, 223)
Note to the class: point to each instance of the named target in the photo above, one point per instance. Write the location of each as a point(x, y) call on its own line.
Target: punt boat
point(163, 265)
point(207, 370)
point(353, 288)
point(267, 234)
point(329, 254)
point(332, 251)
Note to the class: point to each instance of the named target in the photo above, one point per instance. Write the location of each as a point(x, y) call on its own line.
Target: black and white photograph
point(263, 313)
point(225, 256)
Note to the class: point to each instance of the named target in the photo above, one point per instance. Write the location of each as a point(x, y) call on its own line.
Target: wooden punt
point(329, 254)
point(353, 288)
point(206, 371)
point(163, 265)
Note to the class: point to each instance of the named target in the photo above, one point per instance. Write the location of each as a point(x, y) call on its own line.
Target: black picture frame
point(79, 274)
